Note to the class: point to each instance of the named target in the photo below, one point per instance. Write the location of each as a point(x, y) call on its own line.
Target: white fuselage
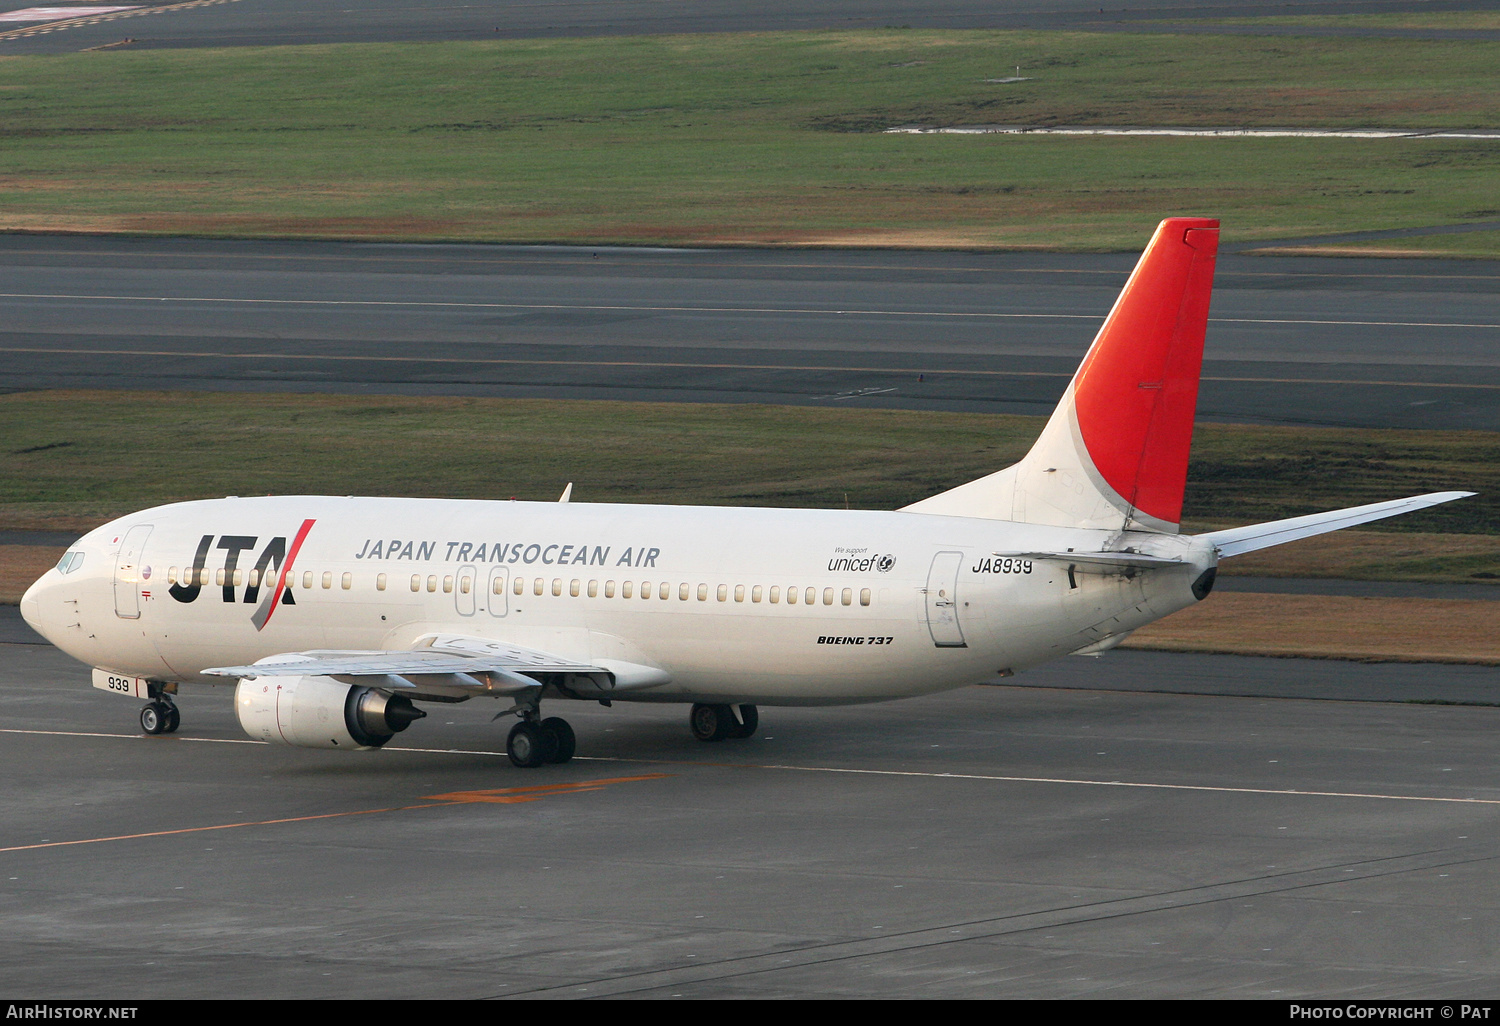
point(886, 605)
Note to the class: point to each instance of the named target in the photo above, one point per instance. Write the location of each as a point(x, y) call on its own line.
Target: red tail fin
point(1114, 454)
point(1137, 389)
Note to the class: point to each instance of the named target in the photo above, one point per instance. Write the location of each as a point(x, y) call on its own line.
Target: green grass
point(98, 454)
point(748, 138)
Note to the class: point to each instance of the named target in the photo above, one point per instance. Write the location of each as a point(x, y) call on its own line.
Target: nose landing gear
point(160, 716)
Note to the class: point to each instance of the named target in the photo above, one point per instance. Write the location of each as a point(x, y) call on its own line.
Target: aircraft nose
point(31, 605)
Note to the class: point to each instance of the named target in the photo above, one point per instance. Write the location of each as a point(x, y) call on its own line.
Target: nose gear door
point(942, 600)
point(128, 572)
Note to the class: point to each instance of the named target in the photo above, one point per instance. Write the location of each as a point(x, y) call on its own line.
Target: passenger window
point(682, 592)
point(498, 586)
point(432, 582)
point(252, 578)
point(171, 573)
point(447, 584)
point(380, 582)
point(609, 589)
point(775, 594)
point(645, 589)
point(219, 576)
point(465, 584)
point(626, 588)
point(723, 593)
point(847, 597)
point(520, 588)
point(538, 587)
point(828, 596)
point(791, 596)
point(239, 576)
point(557, 586)
point(573, 588)
point(307, 576)
point(327, 579)
point(755, 594)
point(593, 589)
point(739, 593)
point(864, 596)
point(810, 596)
point(665, 591)
point(416, 582)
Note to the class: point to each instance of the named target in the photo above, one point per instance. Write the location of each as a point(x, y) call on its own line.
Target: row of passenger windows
point(773, 594)
point(236, 578)
point(663, 590)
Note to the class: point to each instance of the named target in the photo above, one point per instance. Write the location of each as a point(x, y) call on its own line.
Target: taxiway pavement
point(1366, 343)
point(1140, 825)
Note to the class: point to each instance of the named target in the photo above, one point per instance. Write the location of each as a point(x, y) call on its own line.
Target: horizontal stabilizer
point(1100, 562)
point(1238, 540)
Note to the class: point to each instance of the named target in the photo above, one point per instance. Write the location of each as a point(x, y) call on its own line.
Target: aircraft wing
point(448, 662)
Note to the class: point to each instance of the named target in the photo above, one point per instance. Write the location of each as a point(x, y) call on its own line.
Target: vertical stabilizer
point(1114, 454)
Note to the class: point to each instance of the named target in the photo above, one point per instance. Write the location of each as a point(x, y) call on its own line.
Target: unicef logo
point(884, 563)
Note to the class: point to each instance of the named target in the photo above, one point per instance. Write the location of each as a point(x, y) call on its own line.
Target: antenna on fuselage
point(567, 493)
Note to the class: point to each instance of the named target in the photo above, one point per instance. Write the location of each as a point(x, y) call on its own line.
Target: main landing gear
point(717, 722)
point(535, 741)
point(160, 716)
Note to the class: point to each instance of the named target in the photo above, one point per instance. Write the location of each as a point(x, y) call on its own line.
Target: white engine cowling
point(316, 712)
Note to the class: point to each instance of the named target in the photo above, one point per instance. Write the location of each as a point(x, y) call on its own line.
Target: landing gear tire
point(174, 720)
point(564, 741)
point(529, 745)
point(748, 721)
point(155, 716)
point(711, 722)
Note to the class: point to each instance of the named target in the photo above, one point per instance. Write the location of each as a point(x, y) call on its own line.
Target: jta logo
point(269, 575)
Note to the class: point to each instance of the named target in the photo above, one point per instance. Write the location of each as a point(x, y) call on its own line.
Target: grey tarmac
point(1292, 340)
point(1088, 832)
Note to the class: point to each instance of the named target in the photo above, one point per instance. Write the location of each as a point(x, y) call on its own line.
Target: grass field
point(74, 459)
point(751, 138)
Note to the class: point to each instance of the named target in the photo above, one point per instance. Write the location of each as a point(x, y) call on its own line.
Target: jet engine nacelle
point(317, 712)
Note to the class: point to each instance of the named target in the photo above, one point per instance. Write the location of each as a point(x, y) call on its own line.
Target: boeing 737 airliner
point(339, 616)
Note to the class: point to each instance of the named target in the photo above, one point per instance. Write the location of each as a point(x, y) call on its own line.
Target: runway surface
point(1371, 343)
point(1116, 828)
point(290, 22)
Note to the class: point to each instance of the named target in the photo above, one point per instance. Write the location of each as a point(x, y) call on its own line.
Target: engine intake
point(317, 712)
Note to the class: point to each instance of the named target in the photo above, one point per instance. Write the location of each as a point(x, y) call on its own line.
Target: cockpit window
point(70, 561)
